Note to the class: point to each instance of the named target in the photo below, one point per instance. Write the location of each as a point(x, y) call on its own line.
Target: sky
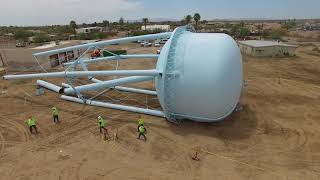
point(48, 12)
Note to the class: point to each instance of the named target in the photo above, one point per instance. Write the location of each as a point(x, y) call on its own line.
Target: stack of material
point(2, 70)
point(2, 63)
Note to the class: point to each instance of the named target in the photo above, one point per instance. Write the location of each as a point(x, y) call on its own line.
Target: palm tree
point(105, 23)
point(188, 19)
point(242, 24)
point(145, 21)
point(196, 18)
point(73, 26)
point(121, 21)
point(260, 29)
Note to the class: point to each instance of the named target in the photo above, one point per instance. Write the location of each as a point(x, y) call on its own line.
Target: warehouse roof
point(259, 43)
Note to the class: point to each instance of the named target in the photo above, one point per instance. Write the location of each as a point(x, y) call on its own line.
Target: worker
point(31, 122)
point(195, 157)
point(140, 122)
point(55, 114)
point(102, 126)
point(142, 131)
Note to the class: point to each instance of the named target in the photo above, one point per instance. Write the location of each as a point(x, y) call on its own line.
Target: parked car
point(20, 44)
point(146, 44)
point(157, 43)
point(163, 41)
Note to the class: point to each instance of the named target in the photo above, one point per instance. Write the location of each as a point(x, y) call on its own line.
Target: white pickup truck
point(145, 44)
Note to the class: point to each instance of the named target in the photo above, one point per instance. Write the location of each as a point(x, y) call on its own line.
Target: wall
point(246, 49)
point(89, 30)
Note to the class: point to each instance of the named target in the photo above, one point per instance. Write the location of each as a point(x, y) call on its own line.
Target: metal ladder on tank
point(170, 74)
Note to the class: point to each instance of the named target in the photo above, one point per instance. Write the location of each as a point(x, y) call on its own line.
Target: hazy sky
point(42, 12)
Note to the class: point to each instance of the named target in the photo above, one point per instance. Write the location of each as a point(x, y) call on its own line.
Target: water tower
point(198, 75)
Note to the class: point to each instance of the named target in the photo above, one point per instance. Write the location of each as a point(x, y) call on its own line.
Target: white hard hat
point(99, 117)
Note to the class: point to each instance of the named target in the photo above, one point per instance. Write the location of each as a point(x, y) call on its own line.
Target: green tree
point(121, 21)
point(228, 25)
point(243, 32)
point(82, 36)
point(278, 33)
point(242, 24)
point(196, 18)
point(100, 35)
point(73, 26)
point(41, 38)
point(84, 25)
point(239, 32)
point(288, 24)
point(145, 21)
point(188, 19)
point(234, 31)
point(22, 34)
point(204, 21)
point(260, 29)
point(106, 23)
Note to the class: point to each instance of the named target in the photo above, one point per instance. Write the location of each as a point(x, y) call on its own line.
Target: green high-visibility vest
point(101, 122)
point(141, 122)
point(142, 129)
point(55, 111)
point(31, 122)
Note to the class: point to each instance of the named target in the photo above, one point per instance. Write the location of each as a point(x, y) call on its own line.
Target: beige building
point(155, 27)
point(260, 48)
point(89, 30)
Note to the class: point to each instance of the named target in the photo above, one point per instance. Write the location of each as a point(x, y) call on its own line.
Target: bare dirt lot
point(275, 136)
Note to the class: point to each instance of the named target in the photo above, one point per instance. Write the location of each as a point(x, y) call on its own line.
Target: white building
point(24, 55)
point(155, 27)
point(260, 48)
point(89, 30)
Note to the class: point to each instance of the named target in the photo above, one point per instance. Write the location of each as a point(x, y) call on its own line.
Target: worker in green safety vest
point(142, 131)
point(102, 126)
point(55, 115)
point(31, 122)
point(140, 122)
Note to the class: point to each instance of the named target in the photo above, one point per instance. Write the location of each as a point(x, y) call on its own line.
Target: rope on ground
point(242, 163)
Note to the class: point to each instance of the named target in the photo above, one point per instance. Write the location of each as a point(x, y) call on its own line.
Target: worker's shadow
point(239, 125)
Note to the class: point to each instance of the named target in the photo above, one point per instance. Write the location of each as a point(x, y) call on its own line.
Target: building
point(156, 27)
point(89, 30)
point(260, 48)
point(22, 57)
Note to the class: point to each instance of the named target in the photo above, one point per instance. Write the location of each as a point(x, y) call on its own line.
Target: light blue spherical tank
point(201, 76)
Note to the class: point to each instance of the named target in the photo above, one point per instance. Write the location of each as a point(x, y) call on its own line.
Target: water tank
point(201, 76)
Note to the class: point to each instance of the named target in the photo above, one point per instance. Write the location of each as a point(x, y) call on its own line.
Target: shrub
point(41, 38)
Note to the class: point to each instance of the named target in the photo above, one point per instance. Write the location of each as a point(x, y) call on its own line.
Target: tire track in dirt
point(2, 144)
point(17, 128)
point(13, 127)
point(300, 135)
point(182, 161)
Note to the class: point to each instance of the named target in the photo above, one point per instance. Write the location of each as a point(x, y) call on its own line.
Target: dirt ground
point(275, 136)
